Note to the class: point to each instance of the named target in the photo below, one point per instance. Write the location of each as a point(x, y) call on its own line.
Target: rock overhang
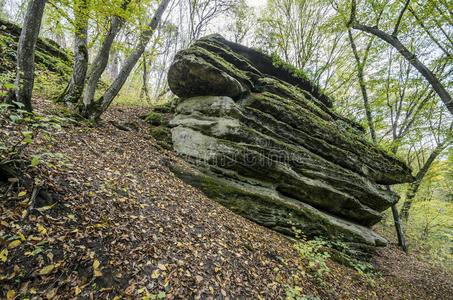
point(267, 145)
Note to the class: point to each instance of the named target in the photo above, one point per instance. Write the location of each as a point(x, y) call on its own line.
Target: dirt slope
point(113, 221)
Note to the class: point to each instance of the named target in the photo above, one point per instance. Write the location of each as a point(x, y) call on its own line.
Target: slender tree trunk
point(399, 228)
point(26, 54)
point(144, 92)
point(94, 109)
point(413, 186)
point(366, 103)
point(100, 62)
point(74, 90)
point(396, 217)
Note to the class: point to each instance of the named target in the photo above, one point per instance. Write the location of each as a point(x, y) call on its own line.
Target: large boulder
point(262, 140)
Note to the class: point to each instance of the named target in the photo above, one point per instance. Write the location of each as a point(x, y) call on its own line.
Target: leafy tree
point(93, 110)
point(393, 40)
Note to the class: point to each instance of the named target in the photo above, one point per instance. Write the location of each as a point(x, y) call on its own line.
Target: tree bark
point(94, 109)
point(413, 186)
point(100, 62)
point(412, 59)
point(74, 90)
point(144, 92)
point(398, 227)
point(26, 54)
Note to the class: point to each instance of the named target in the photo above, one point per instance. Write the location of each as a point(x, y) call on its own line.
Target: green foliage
point(430, 222)
point(48, 84)
point(313, 253)
point(294, 293)
point(28, 126)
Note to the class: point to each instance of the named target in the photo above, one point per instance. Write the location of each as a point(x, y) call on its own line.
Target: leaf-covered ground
point(101, 216)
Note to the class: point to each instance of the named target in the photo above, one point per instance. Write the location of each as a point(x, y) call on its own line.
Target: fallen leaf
point(4, 255)
point(14, 244)
point(155, 274)
point(46, 270)
point(41, 229)
point(11, 294)
point(161, 267)
point(77, 290)
point(96, 264)
point(51, 293)
point(21, 194)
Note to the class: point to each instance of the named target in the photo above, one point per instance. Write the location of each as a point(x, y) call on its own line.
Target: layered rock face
point(264, 142)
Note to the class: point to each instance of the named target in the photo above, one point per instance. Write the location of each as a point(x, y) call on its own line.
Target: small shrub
point(313, 255)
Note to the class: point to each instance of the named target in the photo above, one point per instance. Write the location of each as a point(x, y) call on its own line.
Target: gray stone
point(268, 146)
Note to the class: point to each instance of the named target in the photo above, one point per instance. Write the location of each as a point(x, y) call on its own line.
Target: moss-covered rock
point(161, 133)
point(266, 145)
point(154, 118)
point(48, 55)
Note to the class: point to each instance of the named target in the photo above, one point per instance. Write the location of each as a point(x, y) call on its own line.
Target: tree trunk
point(144, 92)
point(26, 54)
point(366, 103)
point(93, 110)
point(74, 90)
point(398, 227)
point(100, 62)
point(413, 186)
point(397, 219)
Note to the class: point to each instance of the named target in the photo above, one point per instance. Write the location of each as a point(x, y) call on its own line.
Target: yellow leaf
point(71, 216)
point(96, 264)
point(155, 274)
point(161, 267)
point(14, 244)
point(77, 290)
point(41, 229)
point(11, 294)
point(24, 213)
point(97, 273)
point(51, 293)
point(46, 270)
point(4, 255)
point(21, 194)
point(22, 237)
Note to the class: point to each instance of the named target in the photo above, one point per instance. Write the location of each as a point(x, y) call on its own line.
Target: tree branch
point(400, 17)
point(413, 60)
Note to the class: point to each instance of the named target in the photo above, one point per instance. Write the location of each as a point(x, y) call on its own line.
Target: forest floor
point(99, 215)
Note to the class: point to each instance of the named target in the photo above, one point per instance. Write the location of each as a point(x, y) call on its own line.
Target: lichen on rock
point(266, 144)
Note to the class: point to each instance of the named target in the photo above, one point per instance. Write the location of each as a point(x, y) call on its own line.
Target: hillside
point(98, 214)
